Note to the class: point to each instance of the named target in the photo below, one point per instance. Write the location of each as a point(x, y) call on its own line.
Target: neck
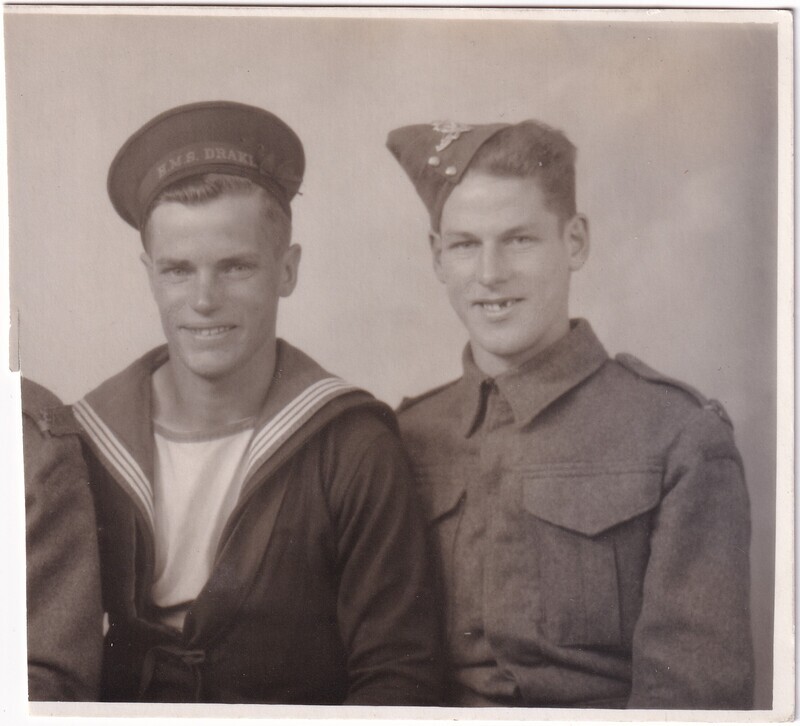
point(183, 401)
point(495, 365)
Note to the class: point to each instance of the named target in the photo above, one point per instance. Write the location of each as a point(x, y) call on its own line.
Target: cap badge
point(450, 130)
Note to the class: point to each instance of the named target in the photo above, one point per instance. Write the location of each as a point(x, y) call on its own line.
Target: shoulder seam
point(410, 401)
point(643, 371)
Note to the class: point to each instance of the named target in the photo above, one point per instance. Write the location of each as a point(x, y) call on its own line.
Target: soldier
point(258, 541)
point(65, 618)
point(591, 514)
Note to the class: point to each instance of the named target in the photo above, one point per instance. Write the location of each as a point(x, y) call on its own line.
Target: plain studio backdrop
point(676, 129)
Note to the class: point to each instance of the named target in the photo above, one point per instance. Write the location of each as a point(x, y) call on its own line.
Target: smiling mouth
point(208, 332)
point(496, 306)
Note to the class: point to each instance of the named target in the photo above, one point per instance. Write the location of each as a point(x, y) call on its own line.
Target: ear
point(289, 267)
point(576, 237)
point(148, 266)
point(435, 241)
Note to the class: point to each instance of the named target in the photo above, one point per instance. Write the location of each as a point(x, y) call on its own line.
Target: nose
point(492, 266)
point(206, 293)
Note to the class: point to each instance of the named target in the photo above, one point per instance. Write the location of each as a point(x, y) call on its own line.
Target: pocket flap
point(441, 491)
point(591, 503)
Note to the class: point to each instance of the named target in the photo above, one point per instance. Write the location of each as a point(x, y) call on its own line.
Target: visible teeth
point(208, 332)
point(496, 307)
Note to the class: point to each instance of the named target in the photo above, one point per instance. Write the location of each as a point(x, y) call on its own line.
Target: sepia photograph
point(396, 363)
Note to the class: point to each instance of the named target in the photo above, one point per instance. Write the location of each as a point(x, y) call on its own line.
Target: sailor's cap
point(216, 136)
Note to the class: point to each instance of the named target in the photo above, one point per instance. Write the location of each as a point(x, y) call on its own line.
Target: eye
point(175, 273)
point(238, 269)
point(461, 245)
point(522, 241)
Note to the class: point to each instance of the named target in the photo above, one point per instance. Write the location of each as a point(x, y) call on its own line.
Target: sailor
point(258, 540)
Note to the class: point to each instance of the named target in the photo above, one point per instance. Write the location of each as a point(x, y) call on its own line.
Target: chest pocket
point(592, 546)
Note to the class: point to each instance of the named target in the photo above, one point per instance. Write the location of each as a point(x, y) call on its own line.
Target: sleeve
point(63, 579)
point(692, 645)
point(388, 616)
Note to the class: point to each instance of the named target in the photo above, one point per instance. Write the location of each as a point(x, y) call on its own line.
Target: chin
point(511, 356)
point(209, 374)
point(208, 370)
point(505, 349)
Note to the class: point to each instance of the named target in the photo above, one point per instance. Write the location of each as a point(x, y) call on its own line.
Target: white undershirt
point(198, 478)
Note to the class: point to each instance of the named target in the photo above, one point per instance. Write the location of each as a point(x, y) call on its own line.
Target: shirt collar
point(124, 402)
point(533, 386)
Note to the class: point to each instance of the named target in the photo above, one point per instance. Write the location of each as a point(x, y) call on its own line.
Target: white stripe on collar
point(125, 466)
point(280, 427)
point(266, 441)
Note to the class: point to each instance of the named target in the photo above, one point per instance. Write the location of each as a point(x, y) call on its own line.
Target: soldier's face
point(217, 281)
point(506, 261)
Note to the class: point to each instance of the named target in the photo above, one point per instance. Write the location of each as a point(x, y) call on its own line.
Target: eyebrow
point(244, 257)
point(169, 262)
point(179, 261)
point(519, 229)
point(458, 234)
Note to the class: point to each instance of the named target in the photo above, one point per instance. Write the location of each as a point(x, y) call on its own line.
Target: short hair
point(532, 149)
point(202, 188)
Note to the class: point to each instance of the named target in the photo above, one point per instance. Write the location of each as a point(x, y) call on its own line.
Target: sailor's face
point(217, 279)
